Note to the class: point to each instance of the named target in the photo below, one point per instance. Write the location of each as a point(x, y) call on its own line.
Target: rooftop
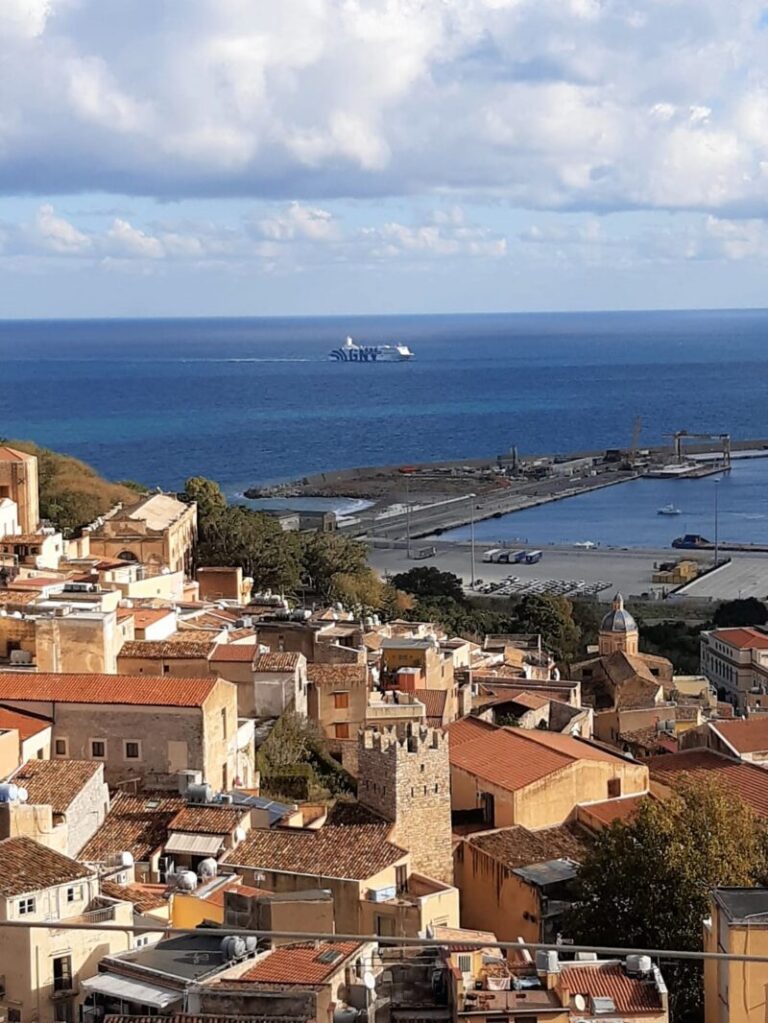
point(234, 652)
point(747, 781)
point(515, 757)
point(744, 735)
point(186, 957)
point(434, 701)
point(302, 964)
point(134, 824)
point(159, 510)
point(145, 897)
point(276, 662)
point(166, 649)
point(337, 674)
point(519, 847)
point(743, 639)
point(133, 690)
point(607, 979)
point(742, 904)
point(26, 725)
point(208, 820)
point(8, 454)
point(353, 843)
point(145, 616)
point(27, 866)
point(621, 809)
point(56, 783)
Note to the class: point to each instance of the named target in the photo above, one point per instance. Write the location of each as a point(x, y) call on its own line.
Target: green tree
point(646, 883)
point(256, 543)
point(325, 556)
point(746, 611)
point(552, 618)
point(430, 582)
point(208, 497)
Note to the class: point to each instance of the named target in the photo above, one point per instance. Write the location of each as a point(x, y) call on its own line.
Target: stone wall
point(405, 777)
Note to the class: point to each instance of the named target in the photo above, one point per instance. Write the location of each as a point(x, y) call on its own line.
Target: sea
point(254, 401)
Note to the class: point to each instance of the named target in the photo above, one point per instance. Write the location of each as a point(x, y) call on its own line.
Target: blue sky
point(236, 157)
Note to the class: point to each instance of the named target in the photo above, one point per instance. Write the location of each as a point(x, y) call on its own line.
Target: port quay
point(412, 508)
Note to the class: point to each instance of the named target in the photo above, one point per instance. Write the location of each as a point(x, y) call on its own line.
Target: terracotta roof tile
point(353, 843)
point(610, 810)
point(747, 781)
point(742, 639)
point(300, 964)
point(229, 653)
point(608, 980)
point(165, 649)
point(144, 616)
point(434, 701)
point(208, 820)
point(745, 735)
point(533, 701)
point(276, 662)
point(519, 847)
point(337, 674)
point(218, 895)
point(134, 824)
point(27, 866)
point(145, 897)
point(515, 757)
point(133, 690)
point(26, 725)
point(56, 783)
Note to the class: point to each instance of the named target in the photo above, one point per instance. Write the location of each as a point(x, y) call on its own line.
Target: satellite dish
point(369, 980)
point(580, 1002)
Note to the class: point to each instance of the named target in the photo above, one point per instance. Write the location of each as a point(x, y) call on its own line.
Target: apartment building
point(736, 663)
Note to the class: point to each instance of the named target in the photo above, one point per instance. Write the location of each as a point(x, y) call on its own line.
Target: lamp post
point(717, 524)
point(408, 517)
point(472, 497)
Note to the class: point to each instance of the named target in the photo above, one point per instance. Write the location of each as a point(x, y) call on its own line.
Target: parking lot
point(515, 585)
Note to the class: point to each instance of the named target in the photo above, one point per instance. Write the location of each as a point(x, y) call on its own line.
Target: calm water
point(627, 515)
point(249, 401)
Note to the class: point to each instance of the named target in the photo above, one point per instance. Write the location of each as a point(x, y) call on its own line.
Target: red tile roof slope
point(434, 701)
point(56, 783)
point(134, 824)
point(208, 820)
point(300, 964)
point(515, 757)
point(276, 661)
point(608, 980)
point(744, 639)
point(337, 674)
point(133, 690)
point(145, 897)
point(233, 652)
point(166, 649)
point(746, 780)
point(27, 866)
point(610, 810)
point(745, 735)
point(353, 843)
point(26, 725)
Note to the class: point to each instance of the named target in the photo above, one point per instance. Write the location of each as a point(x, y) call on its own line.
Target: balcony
point(395, 706)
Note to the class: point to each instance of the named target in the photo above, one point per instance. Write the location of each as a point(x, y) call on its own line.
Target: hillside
point(72, 493)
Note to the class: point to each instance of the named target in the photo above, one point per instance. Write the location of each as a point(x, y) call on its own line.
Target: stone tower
point(18, 481)
point(404, 776)
point(618, 630)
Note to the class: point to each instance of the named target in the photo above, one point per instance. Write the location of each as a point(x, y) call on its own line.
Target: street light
point(717, 524)
point(471, 497)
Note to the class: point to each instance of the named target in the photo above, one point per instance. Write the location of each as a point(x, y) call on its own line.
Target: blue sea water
point(255, 400)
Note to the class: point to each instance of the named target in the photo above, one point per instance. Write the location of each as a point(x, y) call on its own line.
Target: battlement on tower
point(409, 739)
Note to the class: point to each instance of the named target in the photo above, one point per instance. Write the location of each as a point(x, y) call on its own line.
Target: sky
point(300, 157)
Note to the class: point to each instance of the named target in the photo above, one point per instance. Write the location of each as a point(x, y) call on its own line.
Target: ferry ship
point(350, 352)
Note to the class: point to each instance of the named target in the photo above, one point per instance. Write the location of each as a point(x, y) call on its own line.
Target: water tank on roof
point(239, 834)
point(547, 962)
point(233, 947)
point(226, 798)
point(9, 792)
point(124, 859)
point(638, 966)
point(22, 795)
point(207, 868)
point(186, 880)
point(202, 793)
point(345, 1014)
point(251, 944)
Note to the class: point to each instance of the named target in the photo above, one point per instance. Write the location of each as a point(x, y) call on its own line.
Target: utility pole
point(472, 539)
point(408, 517)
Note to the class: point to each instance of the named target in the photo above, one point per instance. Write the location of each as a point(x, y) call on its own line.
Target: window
point(26, 906)
point(63, 1011)
point(614, 788)
point(14, 1015)
point(132, 749)
point(224, 721)
point(75, 893)
point(61, 747)
point(401, 877)
point(341, 701)
point(62, 973)
point(341, 731)
point(98, 749)
point(465, 963)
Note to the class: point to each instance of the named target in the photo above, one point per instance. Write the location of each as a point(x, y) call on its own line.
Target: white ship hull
point(350, 352)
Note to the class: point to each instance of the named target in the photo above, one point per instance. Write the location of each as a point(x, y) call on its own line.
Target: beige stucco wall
point(19, 482)
point(493, 898)
point(78, 644)
point(10, 752)
point(220, 744)
point(175, 667)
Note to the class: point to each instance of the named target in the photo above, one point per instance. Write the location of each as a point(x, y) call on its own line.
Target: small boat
point(587, 545)
point(669, 509)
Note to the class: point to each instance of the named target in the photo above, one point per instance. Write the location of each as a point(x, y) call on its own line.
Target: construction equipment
point(681, 435)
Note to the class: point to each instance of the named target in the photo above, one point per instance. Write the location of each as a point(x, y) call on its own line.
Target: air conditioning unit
point(187, 778)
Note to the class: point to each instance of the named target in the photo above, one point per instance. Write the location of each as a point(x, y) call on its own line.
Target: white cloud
point(56, 235)
point(561, 104)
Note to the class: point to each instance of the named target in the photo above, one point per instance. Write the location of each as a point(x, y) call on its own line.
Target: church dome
point(617, 619)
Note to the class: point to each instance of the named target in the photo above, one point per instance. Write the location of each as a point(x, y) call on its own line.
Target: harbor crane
point(681, 435)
